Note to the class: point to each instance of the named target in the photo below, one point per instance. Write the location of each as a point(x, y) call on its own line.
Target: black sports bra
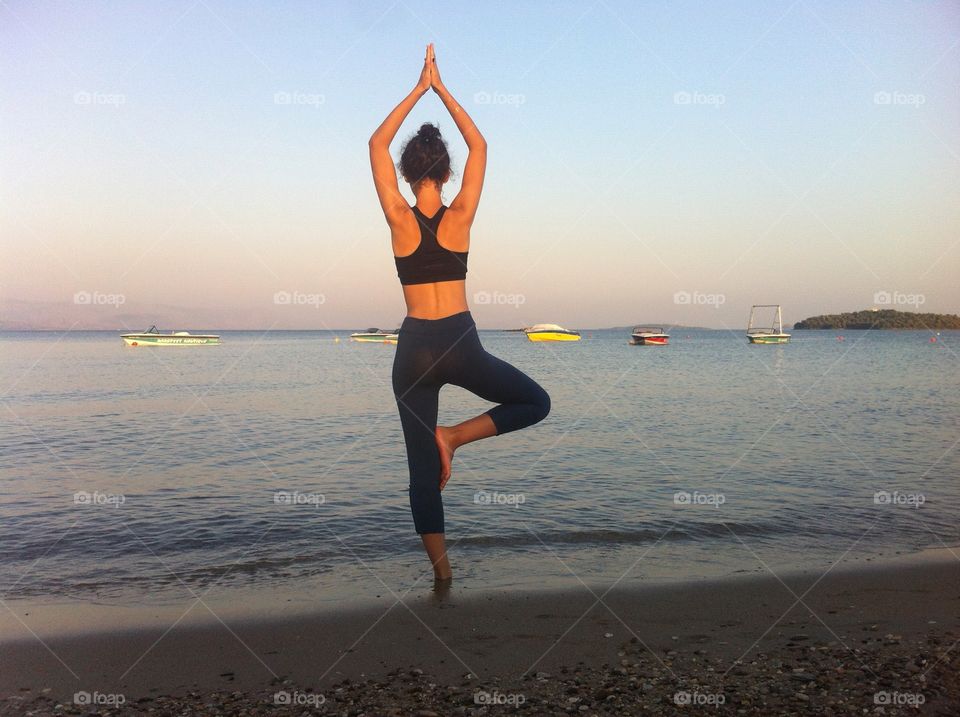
point(430, 262)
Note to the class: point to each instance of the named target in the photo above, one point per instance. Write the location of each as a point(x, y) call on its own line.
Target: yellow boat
point(551, 332)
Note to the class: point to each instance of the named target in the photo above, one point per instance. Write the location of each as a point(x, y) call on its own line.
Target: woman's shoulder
point(455, 215)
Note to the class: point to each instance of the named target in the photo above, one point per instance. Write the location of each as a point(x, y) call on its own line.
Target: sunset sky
point(671, 162)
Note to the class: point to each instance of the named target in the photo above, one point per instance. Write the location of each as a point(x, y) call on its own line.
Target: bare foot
point(446, 448)
point(440, 595)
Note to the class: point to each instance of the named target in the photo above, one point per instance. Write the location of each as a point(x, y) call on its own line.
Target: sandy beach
point(877, 639)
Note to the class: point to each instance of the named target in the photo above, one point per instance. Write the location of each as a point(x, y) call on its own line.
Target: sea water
point(275, 463)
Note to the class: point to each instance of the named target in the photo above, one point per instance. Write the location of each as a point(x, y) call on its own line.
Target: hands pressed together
point(430, 75)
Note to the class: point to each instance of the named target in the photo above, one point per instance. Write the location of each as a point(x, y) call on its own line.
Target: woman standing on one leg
point(438, 341)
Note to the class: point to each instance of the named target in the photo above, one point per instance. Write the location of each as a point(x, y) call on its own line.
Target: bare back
point(441, 298)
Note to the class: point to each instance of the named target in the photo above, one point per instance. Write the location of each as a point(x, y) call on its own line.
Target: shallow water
point(781, 450)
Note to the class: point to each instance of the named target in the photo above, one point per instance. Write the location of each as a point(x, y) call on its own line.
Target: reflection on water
point(277, 460)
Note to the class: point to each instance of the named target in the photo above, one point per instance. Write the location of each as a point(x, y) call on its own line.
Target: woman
point(438, 341)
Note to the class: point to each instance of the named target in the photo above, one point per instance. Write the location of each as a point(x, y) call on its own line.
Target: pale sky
point(208, 155)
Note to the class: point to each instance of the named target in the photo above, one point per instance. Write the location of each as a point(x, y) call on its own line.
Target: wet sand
point(838, 644)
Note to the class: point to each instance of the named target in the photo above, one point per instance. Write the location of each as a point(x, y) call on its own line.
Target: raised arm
point(464, 205)
point(384, 173)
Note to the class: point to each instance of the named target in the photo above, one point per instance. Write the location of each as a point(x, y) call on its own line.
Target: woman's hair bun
point(428, 131)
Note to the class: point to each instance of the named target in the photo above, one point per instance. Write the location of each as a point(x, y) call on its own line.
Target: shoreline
point(59, 617)
point(905, 609)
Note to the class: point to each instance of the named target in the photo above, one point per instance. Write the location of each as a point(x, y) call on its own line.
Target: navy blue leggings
point(434, 352)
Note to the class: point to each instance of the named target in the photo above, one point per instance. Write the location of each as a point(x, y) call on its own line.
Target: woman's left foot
point(446, 448)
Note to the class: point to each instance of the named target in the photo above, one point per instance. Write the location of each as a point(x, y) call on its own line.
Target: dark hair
point(424, 156)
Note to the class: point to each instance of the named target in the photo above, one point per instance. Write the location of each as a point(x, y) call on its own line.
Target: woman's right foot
point(441, 587)
point(445, 446)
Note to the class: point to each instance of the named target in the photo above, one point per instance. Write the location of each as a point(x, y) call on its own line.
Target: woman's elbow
point(474, 140)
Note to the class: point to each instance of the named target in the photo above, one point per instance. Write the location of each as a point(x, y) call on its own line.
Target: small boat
point(551, 332)
point(153, 337)
point(649, 336)
point(376, 336)
point(762, 335)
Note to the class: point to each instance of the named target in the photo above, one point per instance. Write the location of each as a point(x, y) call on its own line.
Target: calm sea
point(276, 459)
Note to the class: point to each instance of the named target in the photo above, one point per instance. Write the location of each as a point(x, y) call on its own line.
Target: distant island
point(880, 319)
